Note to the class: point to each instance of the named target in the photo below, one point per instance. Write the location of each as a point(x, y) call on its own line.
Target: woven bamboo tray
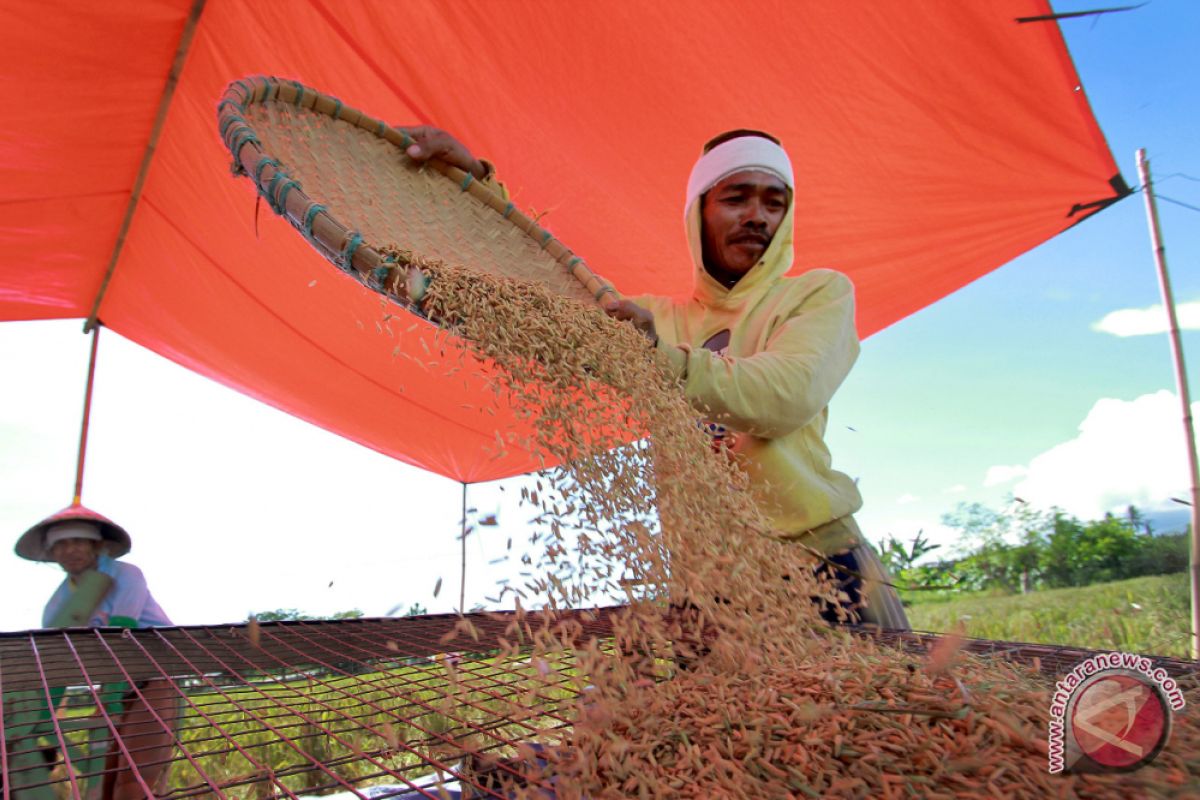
point(343, 180)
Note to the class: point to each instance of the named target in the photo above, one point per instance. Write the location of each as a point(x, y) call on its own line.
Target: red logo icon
point(1119, 720)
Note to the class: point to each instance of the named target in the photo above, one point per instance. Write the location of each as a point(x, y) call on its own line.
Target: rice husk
point(722, 679)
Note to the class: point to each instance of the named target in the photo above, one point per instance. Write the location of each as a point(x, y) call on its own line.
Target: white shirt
point(129, 597)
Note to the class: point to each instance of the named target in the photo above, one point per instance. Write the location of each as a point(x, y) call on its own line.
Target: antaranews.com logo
point(1111, 713)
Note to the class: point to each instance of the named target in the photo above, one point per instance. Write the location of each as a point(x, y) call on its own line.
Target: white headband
point(736, 155)
point(72, 530)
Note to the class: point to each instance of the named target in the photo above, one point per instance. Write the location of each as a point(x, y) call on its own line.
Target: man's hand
point(629, 311)
point(430, 142)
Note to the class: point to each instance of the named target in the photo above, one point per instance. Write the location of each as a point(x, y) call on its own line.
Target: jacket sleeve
point(787, 384)
point(129, 594)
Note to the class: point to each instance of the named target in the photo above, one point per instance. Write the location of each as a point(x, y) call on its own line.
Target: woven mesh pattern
point(370, 185)
point(296, 709)
point(280, 710)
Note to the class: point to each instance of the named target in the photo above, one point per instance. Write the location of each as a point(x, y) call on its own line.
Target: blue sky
point(234, 507)
point(1010, 367)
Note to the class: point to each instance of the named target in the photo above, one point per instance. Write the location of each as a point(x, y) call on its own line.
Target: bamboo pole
point(462, 588)
point(1164, 284)
point(160, 121)
point(87, 415)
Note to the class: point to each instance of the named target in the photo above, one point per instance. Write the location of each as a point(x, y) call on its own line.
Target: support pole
point(160, 121)
point(87, 415)
point(1164, 284)
point(462, 588)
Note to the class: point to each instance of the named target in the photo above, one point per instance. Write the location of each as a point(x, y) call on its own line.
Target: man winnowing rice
point(759, 353)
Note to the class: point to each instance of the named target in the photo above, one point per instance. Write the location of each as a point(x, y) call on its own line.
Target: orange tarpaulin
point(933, 142)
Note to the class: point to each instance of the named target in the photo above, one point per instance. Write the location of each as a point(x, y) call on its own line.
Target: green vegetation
point(405, 714)
point(1045, 576)
point(1144, 615)
point(1021, 549)
point(344, 723)
point(282, 614)
point(408, 715)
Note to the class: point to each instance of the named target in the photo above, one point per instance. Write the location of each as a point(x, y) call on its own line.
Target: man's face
point(741, 214)
point(76, 556)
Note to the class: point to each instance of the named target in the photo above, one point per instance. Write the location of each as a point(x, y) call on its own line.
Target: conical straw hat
point(32, 544)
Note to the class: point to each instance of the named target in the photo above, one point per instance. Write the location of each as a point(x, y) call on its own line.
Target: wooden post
point(462, 589)
point(160, 121)
point(87, 414)
point(1164, 284)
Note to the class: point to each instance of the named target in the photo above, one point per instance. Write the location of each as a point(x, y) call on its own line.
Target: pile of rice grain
point(724, 681)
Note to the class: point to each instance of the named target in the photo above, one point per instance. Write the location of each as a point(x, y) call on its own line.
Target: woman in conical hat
point(82, 541)
point(100, 591)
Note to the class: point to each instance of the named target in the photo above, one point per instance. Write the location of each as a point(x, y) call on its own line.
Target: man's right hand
point(430, 142)
point(641, 318)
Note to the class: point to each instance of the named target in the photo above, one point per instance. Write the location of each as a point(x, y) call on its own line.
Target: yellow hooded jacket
point(791, 343)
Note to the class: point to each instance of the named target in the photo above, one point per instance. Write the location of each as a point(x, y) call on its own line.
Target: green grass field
point(357, 725)
point(251, 739)
point(1143, 615)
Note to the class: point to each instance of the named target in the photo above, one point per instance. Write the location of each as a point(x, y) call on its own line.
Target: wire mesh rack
point(280, 709)
point(368, 708)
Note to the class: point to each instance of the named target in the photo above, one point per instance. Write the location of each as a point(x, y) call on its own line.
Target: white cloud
point(1144, 321)
point(1001, 474)
point(1127, 452)
point(232, 507)
point(957, 488)
point(906, 499)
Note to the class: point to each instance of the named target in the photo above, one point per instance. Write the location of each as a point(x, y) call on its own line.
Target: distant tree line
point(278, 614)
point(281, 614)
point(1021, 549)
